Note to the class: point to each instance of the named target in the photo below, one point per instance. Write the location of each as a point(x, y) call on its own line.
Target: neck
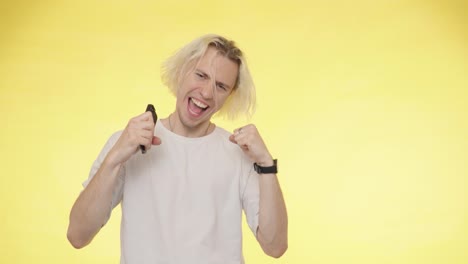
point(176, 126)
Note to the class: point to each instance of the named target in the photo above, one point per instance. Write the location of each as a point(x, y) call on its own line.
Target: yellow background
point(364, 103)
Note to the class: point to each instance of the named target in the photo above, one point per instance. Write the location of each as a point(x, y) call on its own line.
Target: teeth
point(199, 104)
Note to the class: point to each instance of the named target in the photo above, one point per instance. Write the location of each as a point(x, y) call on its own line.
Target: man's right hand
point(139, 131)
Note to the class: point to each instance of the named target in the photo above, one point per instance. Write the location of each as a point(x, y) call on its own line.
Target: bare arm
point(272, 231)
point(94, 205)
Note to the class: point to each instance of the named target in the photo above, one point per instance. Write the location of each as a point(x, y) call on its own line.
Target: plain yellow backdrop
point(364, 103)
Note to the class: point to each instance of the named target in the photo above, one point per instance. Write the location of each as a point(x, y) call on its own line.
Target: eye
point(220, 85)
point(200, 75)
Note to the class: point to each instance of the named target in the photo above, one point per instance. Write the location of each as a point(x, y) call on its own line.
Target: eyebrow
point(217, 82)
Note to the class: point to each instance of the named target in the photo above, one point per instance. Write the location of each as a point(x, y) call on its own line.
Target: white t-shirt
point(182, 201)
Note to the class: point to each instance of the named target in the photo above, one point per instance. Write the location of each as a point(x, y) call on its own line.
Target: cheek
point(184, 87)
point(221, 99)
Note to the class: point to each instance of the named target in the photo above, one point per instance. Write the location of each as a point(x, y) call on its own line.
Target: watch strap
point(267, 170)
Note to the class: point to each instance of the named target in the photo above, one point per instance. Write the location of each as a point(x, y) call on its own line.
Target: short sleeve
point(118, 191)
point(250, 194)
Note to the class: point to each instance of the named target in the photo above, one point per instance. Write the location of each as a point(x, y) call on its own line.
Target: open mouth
point(196, 107)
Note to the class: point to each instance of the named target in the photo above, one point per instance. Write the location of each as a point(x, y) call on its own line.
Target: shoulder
point(111, 141)
point(114, 137)
point(223, 135)
point(222, 132)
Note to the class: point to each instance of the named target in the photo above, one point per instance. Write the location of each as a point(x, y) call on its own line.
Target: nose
point(207, 90)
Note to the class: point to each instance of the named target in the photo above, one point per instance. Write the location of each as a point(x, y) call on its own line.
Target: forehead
point(218, 66)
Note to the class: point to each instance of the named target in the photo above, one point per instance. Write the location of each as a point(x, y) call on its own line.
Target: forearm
point(93, 207)
point(272, 230)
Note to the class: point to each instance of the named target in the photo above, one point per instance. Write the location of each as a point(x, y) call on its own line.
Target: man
point(182, 201)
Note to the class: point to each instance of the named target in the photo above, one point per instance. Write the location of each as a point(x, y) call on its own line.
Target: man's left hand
point(249, 140)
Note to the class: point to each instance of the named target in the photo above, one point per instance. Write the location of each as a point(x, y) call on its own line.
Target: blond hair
point(242, 98)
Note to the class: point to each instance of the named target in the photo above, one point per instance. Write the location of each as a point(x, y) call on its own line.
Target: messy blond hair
point(242, 98)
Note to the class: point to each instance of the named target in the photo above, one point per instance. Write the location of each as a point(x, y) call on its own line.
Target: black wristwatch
point(267, 170)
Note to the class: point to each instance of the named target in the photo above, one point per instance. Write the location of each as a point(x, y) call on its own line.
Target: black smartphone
point(151, 109)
